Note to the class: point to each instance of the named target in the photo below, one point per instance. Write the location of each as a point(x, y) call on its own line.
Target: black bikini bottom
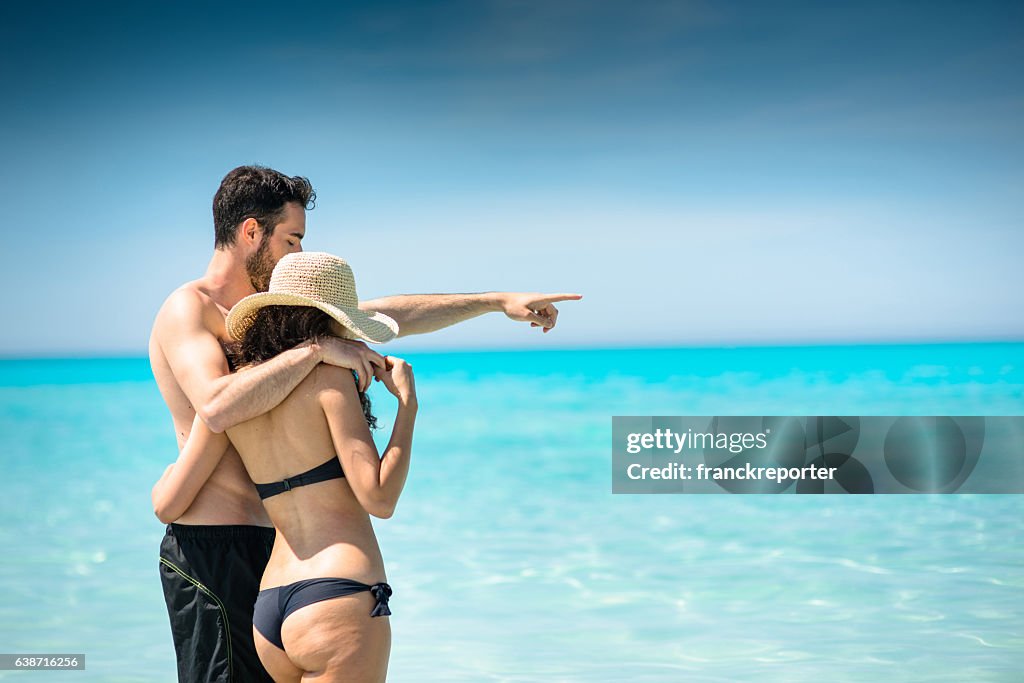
point(274, 605)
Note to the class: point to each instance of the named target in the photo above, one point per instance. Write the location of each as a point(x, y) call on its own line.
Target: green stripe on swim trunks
point(223, 610)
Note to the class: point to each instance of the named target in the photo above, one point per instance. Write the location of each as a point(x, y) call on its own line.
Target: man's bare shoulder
point(191, 293)
point(189, 306)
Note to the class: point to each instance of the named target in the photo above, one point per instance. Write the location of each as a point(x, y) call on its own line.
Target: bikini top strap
point(328, 470)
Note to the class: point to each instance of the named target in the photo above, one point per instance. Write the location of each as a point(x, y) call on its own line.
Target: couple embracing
point(270, 566)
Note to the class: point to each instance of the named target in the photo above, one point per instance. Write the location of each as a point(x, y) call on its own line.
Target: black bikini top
point(329, 470)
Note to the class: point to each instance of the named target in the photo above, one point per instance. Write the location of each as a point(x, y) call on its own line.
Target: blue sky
point(704, 173)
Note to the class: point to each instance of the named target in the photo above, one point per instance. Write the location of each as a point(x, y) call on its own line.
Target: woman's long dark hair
point(278, 328)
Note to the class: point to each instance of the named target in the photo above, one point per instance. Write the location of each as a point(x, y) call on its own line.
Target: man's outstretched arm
point(422, 313)
point(223, 400)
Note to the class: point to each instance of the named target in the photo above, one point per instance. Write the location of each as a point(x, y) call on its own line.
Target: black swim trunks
point(211, 576)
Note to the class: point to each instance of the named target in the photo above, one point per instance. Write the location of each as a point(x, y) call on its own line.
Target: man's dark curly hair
point(256, 192)
point(278, 328)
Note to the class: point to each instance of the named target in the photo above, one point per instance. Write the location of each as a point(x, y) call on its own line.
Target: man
point(214, 553)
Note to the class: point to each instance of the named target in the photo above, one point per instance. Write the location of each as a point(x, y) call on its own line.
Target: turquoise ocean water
point(510, 558)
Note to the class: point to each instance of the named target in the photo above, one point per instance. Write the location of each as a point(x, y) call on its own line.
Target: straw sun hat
point(318, 280)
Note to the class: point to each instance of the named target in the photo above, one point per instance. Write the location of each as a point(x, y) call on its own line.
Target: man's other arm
point(221, 399)
point(423, 313)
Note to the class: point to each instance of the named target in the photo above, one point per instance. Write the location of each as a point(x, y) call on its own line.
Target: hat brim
point(372, 327)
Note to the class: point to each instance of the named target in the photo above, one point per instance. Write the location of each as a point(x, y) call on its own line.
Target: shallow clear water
point(510, 558)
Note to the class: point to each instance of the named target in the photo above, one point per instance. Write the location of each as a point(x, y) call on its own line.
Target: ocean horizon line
point(654, 346)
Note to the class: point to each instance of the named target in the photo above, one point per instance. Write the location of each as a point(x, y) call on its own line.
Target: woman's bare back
point(323, 530)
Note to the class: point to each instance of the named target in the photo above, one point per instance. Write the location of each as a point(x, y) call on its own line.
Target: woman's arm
point(174, 493)
point(376, 481)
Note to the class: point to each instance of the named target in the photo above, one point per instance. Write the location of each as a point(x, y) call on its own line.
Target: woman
point(323, 602)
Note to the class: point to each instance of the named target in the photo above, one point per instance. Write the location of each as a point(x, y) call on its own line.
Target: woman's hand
point(397, 377)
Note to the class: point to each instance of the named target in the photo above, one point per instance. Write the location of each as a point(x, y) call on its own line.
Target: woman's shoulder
point(326, 377)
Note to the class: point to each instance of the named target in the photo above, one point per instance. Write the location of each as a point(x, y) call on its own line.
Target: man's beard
point(260, 266)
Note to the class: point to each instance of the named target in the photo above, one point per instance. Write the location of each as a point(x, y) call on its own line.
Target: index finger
point(560, 297)
point(374, 357)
